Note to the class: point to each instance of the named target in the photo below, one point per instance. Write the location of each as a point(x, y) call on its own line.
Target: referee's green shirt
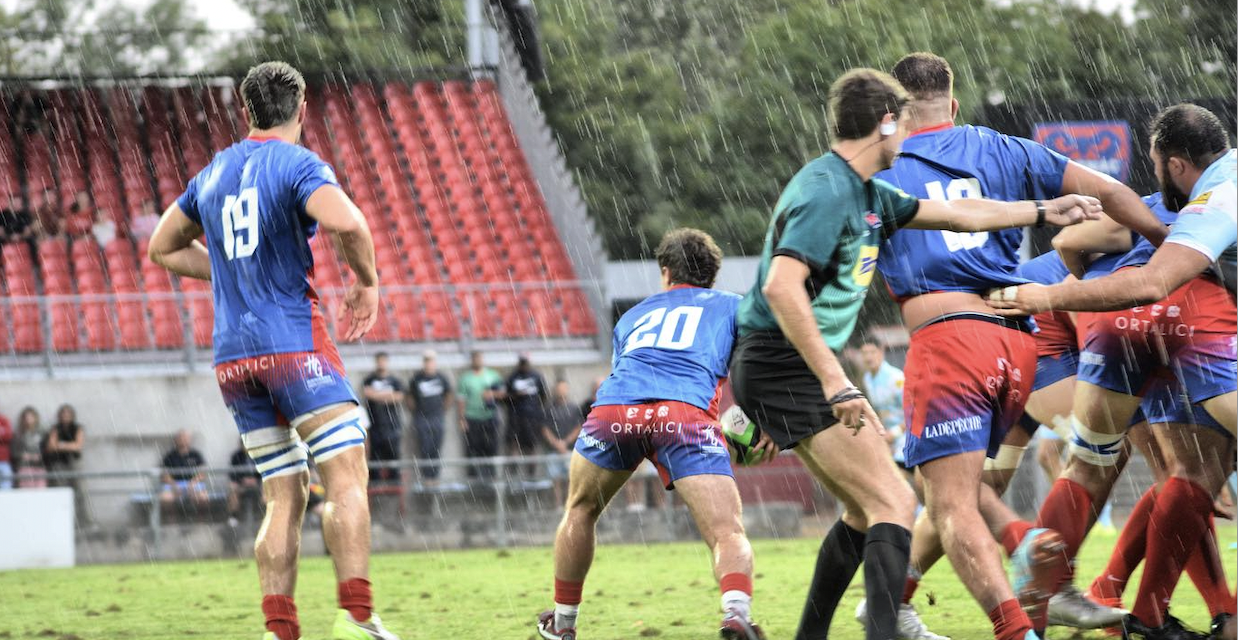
point(834, 222)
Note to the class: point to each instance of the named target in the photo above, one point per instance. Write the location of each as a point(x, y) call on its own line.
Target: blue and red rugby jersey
point(673, 345)
point(948, 162)
point(250, 201)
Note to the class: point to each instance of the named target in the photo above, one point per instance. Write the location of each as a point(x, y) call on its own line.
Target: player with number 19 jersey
point(250, 202)
point(969, 373)
point(660, 402)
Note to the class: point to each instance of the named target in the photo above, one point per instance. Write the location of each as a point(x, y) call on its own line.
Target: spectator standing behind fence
point(6, 464)
point(80, 218)
point(244, 485)
point(883, 382)
point(481, 388)
point(63, 454)
point(429, 394)
point(27, 451)
point(183, 476)
point(562, 425)
point(526, 398)
point(143, 225)
point(384, 393)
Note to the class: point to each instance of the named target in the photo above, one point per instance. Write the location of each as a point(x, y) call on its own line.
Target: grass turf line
point(634, 591)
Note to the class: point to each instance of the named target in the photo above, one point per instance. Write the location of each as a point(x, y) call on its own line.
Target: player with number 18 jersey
point(950, 406)
point(660, 401)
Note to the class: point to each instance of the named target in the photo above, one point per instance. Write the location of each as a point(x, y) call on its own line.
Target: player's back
point(948, 163)
point(250, 202)
point(674, 345)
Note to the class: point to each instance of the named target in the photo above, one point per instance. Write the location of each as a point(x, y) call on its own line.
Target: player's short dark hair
point(273, 92)
point(380, 355)
point(925, 75)
point(1191, 132)
point(860, 99)
point(875, 342)
point(691, 257)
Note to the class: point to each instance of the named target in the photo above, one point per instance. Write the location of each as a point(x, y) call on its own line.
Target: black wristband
point(846, 395)
point(1040, 213)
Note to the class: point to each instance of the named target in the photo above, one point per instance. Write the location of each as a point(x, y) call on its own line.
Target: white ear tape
point(888, 128)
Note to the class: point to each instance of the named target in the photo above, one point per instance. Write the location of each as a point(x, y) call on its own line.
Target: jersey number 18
point(240, 220)
point(958, 189)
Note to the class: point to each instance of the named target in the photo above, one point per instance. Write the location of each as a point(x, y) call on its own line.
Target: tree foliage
point(84, 37)
point(696, 112)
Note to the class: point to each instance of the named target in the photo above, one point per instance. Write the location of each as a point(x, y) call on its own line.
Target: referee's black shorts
point(777, 390)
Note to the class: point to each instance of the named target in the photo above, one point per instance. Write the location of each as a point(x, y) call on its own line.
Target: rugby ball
point(741, 436)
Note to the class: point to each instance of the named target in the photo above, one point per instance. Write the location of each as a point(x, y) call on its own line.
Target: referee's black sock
point(840, 556)
point(886, 553)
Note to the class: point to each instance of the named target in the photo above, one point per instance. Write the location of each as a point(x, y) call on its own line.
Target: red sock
point(1009, 621)
point(736, 582)
point(1013, 534)
point(909, 589)
point(1178, 521)
point(1067, 511)
point(1208, 573)
point(1129, 551)
point(569, 592)
point(281, 617)
point(355, 596)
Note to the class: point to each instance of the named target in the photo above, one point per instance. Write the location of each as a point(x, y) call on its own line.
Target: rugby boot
point(1037, 567)
point(546, 628)
point(1172, 629)
point(735, 627)
point(346, 628)
point(910, 627)
point(1069, 607)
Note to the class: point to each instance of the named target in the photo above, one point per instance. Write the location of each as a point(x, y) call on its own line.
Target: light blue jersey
point(885, 393)
point(1209, 222)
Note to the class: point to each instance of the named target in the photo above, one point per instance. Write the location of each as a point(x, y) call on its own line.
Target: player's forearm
point(191, 261)
point(1121, 290)
point(1127, 209)
point(792, 310)
point(975, 214)
point(357, 246)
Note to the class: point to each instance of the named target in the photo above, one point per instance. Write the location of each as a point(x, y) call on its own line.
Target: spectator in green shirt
point(480, 389)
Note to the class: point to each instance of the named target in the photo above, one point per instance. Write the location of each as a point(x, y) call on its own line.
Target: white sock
point(738, 603)
point(565, 616)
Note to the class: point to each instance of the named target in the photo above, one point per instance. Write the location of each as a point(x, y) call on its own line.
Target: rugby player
point(971, 371)
point(1183, 327)
point(258, 203)
point(660, 402)
point(818, 260)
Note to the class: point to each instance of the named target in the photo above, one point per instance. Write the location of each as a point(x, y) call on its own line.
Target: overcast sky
point(226, 15)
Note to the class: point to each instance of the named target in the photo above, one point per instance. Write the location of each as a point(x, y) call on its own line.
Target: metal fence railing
point(456, 502)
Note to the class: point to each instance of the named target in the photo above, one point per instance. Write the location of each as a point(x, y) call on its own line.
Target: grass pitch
point(634, 591)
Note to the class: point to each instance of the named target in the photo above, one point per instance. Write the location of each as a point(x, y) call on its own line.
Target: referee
point(819, 257)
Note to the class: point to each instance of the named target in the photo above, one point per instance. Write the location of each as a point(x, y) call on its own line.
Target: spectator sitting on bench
point(182, 475)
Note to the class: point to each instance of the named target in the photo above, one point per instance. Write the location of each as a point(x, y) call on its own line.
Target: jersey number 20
point(958, 189)
point(671, 335)
point(240, 219)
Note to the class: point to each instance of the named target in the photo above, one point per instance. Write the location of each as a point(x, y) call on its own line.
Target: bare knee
point(893, 502)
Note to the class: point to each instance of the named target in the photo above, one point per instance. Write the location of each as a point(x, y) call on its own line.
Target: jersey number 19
point(240, 221)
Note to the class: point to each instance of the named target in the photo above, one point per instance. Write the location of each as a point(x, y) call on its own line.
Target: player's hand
point(1023, 300)
point(359, 311)
point(854, 414)
point(766, 448)
point(1072, 209)
point(464, 425)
